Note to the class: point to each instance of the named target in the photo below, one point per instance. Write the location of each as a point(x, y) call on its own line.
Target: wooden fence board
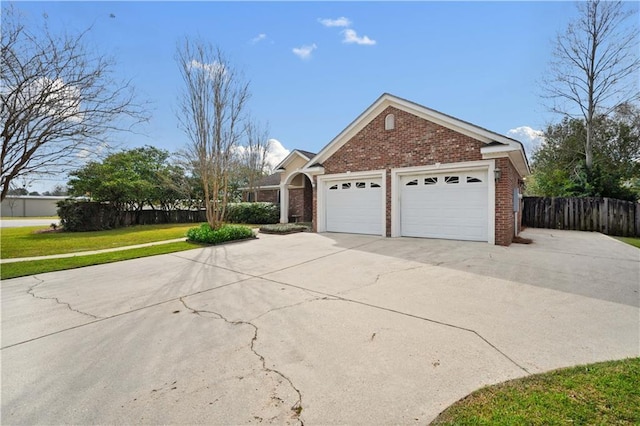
point(606, 215)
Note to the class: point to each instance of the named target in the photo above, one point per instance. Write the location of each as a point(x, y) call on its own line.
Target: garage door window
point(452, 179)
point(361, 184)
point(346, 185)
point(375, 185)
point(334, 187)
point(430, 180)
point(412, 182)
point(471, 179)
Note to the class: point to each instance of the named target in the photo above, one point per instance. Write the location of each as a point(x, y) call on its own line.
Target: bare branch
point(211, 113)
point(595, 65)
point(59, 101)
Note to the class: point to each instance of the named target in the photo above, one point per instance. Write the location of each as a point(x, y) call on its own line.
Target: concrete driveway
point(313, 328)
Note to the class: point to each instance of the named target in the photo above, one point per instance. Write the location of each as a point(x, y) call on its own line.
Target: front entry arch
point(296, 199)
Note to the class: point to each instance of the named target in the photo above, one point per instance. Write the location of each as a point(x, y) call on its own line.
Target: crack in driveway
point(30, 292)
point(325, 296)
point(296, 408)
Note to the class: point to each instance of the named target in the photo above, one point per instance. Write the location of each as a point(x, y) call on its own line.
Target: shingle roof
point(307, 154)
point(273, 179)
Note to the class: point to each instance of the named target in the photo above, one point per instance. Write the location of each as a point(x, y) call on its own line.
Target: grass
point(21, 269)
point(630, 240)
point(603, 393)
point(26, 242)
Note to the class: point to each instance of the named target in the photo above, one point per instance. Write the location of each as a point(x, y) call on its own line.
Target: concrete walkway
point(86, 253)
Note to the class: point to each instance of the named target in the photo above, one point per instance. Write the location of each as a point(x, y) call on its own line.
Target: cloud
point(215, 69)
point(530, 138)
point(350, 36)
point(304, 52)
point(258, 38)
point(277, 152)
point(340, 22)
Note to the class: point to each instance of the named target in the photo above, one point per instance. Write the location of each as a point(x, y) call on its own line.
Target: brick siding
point(418, 142)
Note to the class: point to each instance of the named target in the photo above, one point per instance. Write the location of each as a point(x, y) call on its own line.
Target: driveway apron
point(310, 328)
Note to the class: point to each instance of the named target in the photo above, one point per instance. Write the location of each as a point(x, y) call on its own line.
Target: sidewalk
point(85, 253)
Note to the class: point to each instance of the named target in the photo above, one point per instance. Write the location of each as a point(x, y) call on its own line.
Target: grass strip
point(28, 242)
point(21, 269)
point(630, 240)
point(595, 394)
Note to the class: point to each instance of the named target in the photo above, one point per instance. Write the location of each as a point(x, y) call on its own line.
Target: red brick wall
point(418, 142)
point(268, 195)
point(413, 142)
point(505, 227)
point(296, 202)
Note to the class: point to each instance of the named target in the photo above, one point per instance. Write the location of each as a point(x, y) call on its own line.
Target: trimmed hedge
point(284, 228)
point(205, 235)
point(80, 216)
point(255, 213)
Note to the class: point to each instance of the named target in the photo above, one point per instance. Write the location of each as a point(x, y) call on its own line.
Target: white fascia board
point(318, 170)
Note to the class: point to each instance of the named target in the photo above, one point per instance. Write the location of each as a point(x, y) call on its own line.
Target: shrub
point(257, 213)
point(204, 234)
point(284, 228)
point(79, 216)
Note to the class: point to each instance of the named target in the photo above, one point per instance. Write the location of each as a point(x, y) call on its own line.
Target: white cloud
point(304, 52)
point(350, 36)
point(215, 69)
point(277, 152)
point(340, 22)
point(530, 138)
point(258, 38)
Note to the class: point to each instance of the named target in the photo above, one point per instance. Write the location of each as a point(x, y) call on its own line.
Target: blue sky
point(477, 61)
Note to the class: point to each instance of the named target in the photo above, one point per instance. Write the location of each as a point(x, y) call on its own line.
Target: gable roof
point(495, 142)
point(305, 155)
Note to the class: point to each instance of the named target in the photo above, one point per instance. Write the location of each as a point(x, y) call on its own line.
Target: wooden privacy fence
point(606, 215)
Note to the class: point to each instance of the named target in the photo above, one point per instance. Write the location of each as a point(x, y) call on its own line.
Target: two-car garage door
point(445, 205)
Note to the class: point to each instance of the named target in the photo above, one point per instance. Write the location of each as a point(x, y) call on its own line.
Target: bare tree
point(253, 155)
point(211, 113)
point(595, 65)
point(60, 102)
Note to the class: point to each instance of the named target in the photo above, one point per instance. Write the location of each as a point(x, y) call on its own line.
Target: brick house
point(401, 169)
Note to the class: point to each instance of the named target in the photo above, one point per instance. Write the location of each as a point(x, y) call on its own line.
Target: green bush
point(204, 234)
point(81, 216)
point(257, 213)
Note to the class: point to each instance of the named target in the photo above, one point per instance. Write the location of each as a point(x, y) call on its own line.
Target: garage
point(354, 206)
point(451, 205)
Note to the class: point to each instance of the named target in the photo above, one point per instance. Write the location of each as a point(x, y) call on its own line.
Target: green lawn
point(598, 394)
point(21, 269)
point(26, 242)
point(630, 240)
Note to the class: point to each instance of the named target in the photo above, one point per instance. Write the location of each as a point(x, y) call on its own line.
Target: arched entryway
point(296, 203)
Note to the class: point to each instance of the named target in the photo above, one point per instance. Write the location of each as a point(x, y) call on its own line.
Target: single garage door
point(354, 206)
point(445, 205)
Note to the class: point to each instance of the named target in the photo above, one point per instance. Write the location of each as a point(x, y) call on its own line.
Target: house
point(402, 169)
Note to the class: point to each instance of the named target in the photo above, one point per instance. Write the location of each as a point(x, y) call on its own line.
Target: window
point(361, 184)
point(346, 185)
point(334, 187)
point(452, 179)
point(412, 182)
point(389, 122)
point(375, 185)
point(471, 179)
point(430, 180)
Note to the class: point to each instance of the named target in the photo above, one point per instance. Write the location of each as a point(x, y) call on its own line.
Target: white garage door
point(354, 206)
point(445, 205)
